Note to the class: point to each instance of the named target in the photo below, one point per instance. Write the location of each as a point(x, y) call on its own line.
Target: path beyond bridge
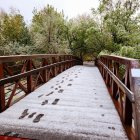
point(75, 105)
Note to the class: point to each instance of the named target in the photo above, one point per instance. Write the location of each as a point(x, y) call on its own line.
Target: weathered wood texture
point(22, 74)
point(124, 89)
point(75, 105)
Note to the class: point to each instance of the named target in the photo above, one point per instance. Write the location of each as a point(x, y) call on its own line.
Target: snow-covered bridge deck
point(74, 105)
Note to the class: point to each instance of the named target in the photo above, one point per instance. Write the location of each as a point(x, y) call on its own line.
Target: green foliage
point(114, 28)
point(14, 33)
point(85, 37)
point(48, 31)
point(15, 49)
point(133, 52)
point(13, 28)
point(122, 23)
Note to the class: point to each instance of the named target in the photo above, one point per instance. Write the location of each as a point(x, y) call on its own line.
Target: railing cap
point(26, 57)
point(130, 62)
point(120, 57)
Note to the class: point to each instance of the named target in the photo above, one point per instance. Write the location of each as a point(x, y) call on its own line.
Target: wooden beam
point(2, 93)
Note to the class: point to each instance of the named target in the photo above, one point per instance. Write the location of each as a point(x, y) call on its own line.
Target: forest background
point(112, 28)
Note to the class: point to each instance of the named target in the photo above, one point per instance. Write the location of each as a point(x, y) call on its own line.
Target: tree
point(120, 20)
point(119, 25)
point(14, 33)
point(47, 30)
point(77, 35)
point(14, 28)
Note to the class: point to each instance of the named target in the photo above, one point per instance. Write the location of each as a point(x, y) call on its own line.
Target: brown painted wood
point(2, 93)
point(44, 63)
point(114, 84)
point(55, 68)
point(29, 77)
point(126, 89)
point(12, 95)
point(136, 107)
point(127, 116)
point(122, 60)
point(30, 71)
point(119, 83)
point(14, 58)
point(10, 72)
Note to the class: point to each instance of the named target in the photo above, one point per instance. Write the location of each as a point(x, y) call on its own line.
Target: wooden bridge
point(56, 97)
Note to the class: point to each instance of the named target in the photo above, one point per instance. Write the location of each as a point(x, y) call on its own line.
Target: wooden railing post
point(107, 75)
point(135, 87)
point(60, 66)
point(2, 93)
point(65, 66)
point(29, 78)
point(44, 63)
point(110, 78)
point(127, 113)
point(65, 57)
point(70, 62)
point(114, 85)
point(55, 68)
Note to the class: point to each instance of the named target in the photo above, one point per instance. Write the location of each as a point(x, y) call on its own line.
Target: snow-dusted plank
point(75, 105)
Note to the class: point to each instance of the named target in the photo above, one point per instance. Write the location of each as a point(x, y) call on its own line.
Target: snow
point(84, 110)
point(135, 72)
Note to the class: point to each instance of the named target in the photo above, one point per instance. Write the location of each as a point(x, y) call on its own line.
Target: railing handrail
point(123, 87)
point(120, 57)
point(128, 106)
point(30, 72)
point(123, 60)
point(11, 58)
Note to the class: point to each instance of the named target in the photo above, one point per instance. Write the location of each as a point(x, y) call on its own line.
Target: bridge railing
point(21, 74)
point(122, 77)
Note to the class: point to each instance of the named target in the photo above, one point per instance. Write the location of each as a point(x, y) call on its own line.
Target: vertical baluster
point(114, 85)
point(60, 66)
point(108, 76)
point(65, 66)
point(49, 70)
point(54, 68)
point(72, 61)
point(68, 62)
point(29, 78)
point(2, 92)
point(44, 63)
point(127, 112)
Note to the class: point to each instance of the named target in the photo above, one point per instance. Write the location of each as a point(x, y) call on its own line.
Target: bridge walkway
point(75, 105)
